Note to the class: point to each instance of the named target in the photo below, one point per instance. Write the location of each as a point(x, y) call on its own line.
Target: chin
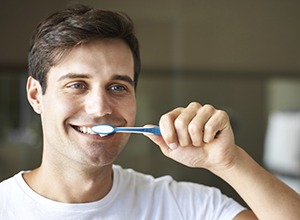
point(102, 156)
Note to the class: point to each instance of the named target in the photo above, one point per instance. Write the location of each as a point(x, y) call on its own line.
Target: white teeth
point(86, 130)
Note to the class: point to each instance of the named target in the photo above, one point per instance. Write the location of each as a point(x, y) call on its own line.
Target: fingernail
point(173, 146)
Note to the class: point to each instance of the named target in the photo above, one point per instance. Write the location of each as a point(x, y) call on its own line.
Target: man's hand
point(197, 136)
point(201, 136)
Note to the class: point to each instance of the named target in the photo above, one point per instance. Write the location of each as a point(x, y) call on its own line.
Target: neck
point(71, 185)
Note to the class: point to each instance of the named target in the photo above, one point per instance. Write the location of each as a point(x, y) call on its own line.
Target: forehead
point(105, 57)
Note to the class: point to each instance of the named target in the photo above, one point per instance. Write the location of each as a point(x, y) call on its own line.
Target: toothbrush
point(104, 129)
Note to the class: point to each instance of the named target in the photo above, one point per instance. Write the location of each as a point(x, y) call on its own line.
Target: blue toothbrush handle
point(153, 130)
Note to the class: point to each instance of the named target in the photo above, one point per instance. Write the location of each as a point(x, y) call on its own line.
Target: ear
point(34, 94)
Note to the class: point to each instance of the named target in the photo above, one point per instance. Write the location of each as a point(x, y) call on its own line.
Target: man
point(84, 65)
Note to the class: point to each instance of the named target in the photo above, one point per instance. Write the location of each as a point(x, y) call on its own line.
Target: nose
point(98, 104)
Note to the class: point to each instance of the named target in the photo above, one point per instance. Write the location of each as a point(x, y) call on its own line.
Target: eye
point(77, 85)
point(118, 88)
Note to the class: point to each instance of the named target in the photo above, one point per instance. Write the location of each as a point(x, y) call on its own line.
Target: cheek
point(126, 108)
point(59, 106)
point(131, 111)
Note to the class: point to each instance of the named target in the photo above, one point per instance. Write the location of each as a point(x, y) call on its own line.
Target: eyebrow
point(73, 76)
point(86, 76)
point(123, 78)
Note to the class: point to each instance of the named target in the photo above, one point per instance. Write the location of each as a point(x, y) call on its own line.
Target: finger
point(167, 128)
point(218, 122)
point(183, 121)
point(158, 140)
point(196, 126)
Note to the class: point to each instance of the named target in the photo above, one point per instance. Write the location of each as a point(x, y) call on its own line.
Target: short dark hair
point(54, 37)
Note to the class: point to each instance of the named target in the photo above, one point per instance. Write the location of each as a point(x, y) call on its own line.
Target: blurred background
point(240, 56)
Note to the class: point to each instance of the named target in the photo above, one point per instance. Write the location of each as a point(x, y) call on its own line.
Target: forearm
point(268, 197)
point(203, 137)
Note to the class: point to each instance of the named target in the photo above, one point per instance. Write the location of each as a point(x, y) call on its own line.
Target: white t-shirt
point(133, 196)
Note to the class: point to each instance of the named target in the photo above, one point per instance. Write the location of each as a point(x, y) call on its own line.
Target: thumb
point(158, 140)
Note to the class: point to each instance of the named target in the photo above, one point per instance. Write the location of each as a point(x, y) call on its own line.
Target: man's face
point(92, 85)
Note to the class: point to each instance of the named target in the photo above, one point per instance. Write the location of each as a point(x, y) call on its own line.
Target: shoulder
point(128, 175)
point(7, 183)
point(10, 187)
point(165, 186)
point(177, 195)
point(13, 184)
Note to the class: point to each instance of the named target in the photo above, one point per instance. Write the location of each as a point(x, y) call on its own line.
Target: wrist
point(234, 162)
